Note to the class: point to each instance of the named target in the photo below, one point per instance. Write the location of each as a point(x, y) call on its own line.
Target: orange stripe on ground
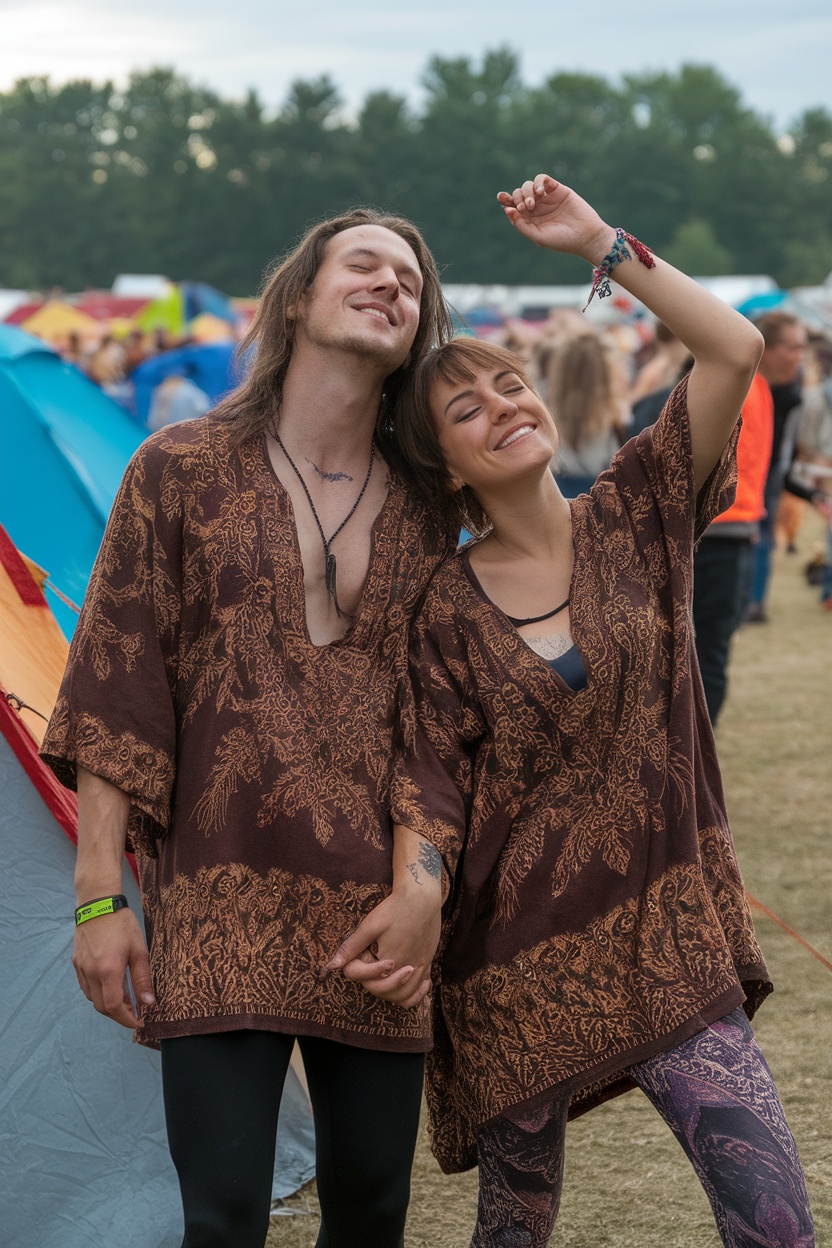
point(771, 915)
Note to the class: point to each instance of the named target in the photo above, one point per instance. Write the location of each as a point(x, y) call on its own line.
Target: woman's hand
point(725, 346)
point(553, 216)
point(391, 950)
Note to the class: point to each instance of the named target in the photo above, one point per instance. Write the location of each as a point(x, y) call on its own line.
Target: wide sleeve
point(661, 458)
point(114, 714)
point(440, 728)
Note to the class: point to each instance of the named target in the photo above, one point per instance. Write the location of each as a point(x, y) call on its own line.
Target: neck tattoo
point(328, 476)
point(330, 568)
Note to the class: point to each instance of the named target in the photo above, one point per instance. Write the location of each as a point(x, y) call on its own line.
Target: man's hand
point(554, 216)
point(104, 948)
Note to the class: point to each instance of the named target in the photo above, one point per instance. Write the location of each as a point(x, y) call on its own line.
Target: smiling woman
point(598, 934)
point(441, 385)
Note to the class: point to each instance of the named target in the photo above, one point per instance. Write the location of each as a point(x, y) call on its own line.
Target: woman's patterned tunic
point(597, 915)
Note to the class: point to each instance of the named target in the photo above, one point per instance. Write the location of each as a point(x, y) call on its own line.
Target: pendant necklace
point(330, 568)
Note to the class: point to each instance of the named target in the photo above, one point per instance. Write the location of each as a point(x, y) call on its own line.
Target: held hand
point(104, 948)
point(555, 217)
point(391, 950)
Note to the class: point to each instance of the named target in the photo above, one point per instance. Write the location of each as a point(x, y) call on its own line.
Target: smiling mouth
point(514, 436)
point(376, 312)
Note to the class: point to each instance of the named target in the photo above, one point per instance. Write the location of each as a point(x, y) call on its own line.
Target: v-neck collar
point(536, 661)
point(379, 569)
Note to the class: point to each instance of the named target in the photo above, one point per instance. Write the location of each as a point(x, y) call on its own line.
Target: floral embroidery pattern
point(597, 906)
point(192, 684)
point(539, 1020)
point(233, 938)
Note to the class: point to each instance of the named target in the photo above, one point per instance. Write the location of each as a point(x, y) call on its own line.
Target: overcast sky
point(777, 52)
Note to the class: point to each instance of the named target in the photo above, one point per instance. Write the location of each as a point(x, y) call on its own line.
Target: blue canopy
point(200, 297)
point(767, 301)
point(211, 366)
point(64, 446)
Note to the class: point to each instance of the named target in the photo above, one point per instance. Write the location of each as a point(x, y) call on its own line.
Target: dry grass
point(627, 1183)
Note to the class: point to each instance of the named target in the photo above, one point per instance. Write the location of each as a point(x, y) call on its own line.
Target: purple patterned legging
point(717, 1095)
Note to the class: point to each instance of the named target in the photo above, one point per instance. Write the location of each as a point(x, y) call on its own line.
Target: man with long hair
point(228, 711)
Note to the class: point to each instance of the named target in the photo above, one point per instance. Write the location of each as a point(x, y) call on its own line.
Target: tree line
point(166, 176)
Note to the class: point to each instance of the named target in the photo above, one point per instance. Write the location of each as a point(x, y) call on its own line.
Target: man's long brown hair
point(266, 349)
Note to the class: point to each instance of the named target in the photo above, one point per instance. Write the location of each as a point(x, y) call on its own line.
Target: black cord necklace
point(536, 619)
point(330, 568)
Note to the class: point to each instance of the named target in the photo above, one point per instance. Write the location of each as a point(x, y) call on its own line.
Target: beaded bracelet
point(618, 252)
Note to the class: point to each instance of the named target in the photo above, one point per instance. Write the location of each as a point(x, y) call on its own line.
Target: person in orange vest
point(724, 561)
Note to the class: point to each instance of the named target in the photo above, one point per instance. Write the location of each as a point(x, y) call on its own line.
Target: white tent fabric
point(83, 1152)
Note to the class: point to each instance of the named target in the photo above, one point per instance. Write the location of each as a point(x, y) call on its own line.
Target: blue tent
point(83, 1143)
point(200, 297)
point(211, 366)
point(64, 446)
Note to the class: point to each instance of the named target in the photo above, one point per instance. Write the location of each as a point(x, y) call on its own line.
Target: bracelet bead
point(617, 253)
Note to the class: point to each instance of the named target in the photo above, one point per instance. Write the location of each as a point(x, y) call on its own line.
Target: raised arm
point(107, 945)
point(725, 346)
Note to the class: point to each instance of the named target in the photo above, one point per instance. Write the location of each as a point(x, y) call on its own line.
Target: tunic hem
point(616, 1064)
point(151, 1035)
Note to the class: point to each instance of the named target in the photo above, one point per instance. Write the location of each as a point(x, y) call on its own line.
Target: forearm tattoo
point(430, 860)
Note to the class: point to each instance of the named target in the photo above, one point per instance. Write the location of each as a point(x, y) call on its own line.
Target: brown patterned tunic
point(258, 764)
point(597, 915)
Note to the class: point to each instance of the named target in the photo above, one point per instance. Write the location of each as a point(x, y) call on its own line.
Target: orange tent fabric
point(33, 651)
point(33, 654)
point(55, 321)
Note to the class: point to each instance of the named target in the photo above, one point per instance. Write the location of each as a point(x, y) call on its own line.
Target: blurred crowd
point(110, 361)
point(158, 378)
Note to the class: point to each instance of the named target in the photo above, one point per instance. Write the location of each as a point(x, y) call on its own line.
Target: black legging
point(222, 1096)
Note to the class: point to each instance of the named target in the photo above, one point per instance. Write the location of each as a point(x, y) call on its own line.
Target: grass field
point(628, 1184)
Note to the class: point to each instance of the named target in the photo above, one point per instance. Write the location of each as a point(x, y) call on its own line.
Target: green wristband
point(101, 905)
